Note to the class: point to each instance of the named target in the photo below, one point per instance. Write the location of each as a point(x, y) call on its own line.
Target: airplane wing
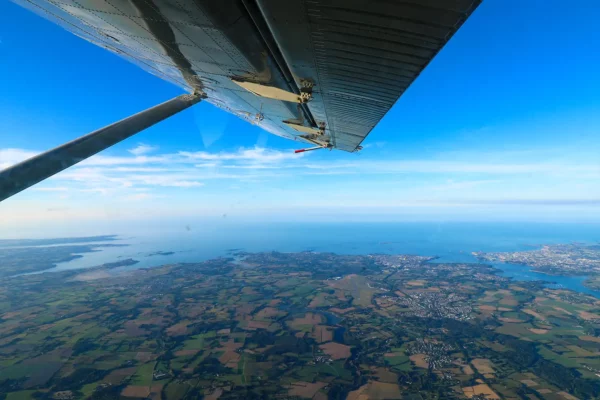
point(319, 71)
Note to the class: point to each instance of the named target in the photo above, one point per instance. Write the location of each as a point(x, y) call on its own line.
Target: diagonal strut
point(34, 170)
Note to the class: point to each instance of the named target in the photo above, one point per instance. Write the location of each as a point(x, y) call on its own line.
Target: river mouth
point(520, 272)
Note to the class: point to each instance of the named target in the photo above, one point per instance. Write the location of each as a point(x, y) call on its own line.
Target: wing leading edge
point(320, 71)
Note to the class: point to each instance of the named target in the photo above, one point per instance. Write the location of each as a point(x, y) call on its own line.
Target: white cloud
point(453, 167)
point(51, 189)
point(100, 190)
point(258, 158)
point(139, 197)
point(165, 181)
point(142, 149)
point(185, 184)
point(379, 144)
point(109, 160)
point(257, 155)
point(141, 169)
point(276, 177)
point(450, 185)
point(254, 166)
point(10, 157)
point(189, 169)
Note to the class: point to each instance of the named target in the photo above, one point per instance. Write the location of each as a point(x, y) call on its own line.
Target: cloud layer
point(142, 149)
point(261, 180)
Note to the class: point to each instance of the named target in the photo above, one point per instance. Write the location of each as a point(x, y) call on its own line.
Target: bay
point(450, 242)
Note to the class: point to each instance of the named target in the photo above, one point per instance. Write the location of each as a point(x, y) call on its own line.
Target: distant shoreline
point(55, 241)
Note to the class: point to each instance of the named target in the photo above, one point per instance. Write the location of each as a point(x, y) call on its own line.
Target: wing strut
point(29, 172)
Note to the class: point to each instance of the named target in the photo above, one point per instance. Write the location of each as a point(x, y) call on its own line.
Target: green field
point(212, 327)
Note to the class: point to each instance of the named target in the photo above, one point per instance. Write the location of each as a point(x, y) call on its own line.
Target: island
point(161, 253)
point(55, 241)
point(116, 264)
point(297, 325)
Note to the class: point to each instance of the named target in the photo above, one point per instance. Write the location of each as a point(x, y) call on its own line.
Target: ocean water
point(523, 273)
point(451, 242)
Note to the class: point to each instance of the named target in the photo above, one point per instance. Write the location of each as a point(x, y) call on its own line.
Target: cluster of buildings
point(436, 353)
point(562, 259)
point(442, 304)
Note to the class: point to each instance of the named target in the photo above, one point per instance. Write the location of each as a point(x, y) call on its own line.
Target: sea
point(449, 241)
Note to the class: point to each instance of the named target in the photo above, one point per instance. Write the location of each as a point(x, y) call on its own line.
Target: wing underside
point(320, 71)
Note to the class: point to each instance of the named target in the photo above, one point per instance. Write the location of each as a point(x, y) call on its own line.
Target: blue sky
point(502, 125)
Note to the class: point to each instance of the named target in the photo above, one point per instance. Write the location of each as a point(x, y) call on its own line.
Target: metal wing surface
point(319, 71)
